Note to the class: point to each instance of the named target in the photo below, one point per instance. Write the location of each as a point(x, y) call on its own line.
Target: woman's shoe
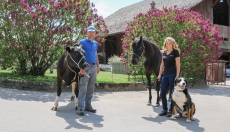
point(169, 114)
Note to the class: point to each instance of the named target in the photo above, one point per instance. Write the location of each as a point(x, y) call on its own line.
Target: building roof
point(117, 22)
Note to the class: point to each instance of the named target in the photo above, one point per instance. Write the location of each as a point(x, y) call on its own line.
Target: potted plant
point(117, 65)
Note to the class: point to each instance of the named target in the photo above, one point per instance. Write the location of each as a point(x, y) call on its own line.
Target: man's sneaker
point(91, 110)
point(80, 113)
point(163, 113)
point(169, 114)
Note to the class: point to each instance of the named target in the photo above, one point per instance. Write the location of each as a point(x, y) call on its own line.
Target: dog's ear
point(177, 81)
point(185, 81)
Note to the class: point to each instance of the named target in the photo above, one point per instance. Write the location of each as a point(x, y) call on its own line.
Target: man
point(87, 83)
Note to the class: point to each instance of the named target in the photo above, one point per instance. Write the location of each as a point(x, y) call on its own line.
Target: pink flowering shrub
point(33, 33)
point(197, 39)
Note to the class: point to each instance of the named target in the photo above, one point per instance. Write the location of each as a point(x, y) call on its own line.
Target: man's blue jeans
point(167, 81)
point(86, 88)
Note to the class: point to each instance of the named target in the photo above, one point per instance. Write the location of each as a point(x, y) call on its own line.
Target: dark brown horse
point(152, 63)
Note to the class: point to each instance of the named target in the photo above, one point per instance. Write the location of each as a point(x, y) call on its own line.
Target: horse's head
point(138, 50)
point(76, 57)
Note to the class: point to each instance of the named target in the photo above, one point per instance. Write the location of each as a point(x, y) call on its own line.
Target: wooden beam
point(214, 3)
point(228, 13)
point(228, 2)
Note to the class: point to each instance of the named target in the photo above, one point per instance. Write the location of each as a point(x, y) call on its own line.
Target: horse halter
point(75, 63)
point(143, 51)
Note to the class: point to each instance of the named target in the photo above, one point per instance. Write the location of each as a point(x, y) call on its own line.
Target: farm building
point(218, 11)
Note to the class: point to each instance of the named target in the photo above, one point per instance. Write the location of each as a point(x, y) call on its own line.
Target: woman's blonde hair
point(172, 40)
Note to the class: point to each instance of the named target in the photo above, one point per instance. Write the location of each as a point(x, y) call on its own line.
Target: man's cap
point(91, 28)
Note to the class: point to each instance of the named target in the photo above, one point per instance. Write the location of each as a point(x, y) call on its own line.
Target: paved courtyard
point(29, 111)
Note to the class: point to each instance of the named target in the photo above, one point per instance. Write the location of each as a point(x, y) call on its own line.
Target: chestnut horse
point(152, 63)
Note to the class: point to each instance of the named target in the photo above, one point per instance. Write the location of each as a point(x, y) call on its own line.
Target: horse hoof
point(54, 109)
point(149, 103)
point(157, 105)
point(75, 108)
point(72, 98)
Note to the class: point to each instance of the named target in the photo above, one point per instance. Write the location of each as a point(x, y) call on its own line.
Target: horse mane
point(77, 44)
point(152, 45)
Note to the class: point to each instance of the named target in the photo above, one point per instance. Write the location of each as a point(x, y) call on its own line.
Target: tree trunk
point(23, 68)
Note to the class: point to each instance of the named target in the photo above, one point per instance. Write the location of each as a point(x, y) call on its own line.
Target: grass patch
point(47, 78)
point(102, 77)
point(109, 77)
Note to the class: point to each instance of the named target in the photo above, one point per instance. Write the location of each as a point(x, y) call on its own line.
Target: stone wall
point(37, 86)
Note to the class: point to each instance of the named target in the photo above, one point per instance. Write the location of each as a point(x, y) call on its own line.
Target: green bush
point(33, 33)
point(198, 39)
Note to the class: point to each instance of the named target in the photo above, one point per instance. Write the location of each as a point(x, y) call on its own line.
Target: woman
point(169, 71)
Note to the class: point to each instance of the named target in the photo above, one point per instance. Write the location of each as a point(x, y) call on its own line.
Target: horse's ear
point(67, 49)
point(76, 44)
point(141, 38)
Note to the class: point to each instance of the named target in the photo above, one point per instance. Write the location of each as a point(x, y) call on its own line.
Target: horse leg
point(73, 89)
point(149, 88)
point(76, 91)
point(59, 81)
point(158, 95)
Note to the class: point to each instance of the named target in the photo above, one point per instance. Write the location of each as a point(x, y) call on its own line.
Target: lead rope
point(142, 65)
point(78, 77)
point(67, 54)
point(154, 81)
point(70, 68)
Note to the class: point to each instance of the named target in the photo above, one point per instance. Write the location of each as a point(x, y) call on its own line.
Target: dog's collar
point(179, 90)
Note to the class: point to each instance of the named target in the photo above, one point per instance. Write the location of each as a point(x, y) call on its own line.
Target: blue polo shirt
point(90, 48)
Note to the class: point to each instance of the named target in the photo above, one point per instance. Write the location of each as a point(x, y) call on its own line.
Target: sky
point(108, 7)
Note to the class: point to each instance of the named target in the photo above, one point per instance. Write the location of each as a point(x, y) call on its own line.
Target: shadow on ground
point(14, 94)
point(192, 126)
point(88, 122)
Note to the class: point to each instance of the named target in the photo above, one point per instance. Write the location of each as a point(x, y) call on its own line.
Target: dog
point(182, 101)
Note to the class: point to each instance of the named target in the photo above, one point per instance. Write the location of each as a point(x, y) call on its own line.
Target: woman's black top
point(170, 62)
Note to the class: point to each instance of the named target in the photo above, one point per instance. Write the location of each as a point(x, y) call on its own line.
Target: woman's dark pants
point(167, 81)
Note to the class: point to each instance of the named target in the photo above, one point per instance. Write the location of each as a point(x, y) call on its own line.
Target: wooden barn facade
point(218, 11)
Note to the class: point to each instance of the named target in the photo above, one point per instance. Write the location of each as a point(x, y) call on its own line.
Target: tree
point(198, 39)
point(34, 33)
